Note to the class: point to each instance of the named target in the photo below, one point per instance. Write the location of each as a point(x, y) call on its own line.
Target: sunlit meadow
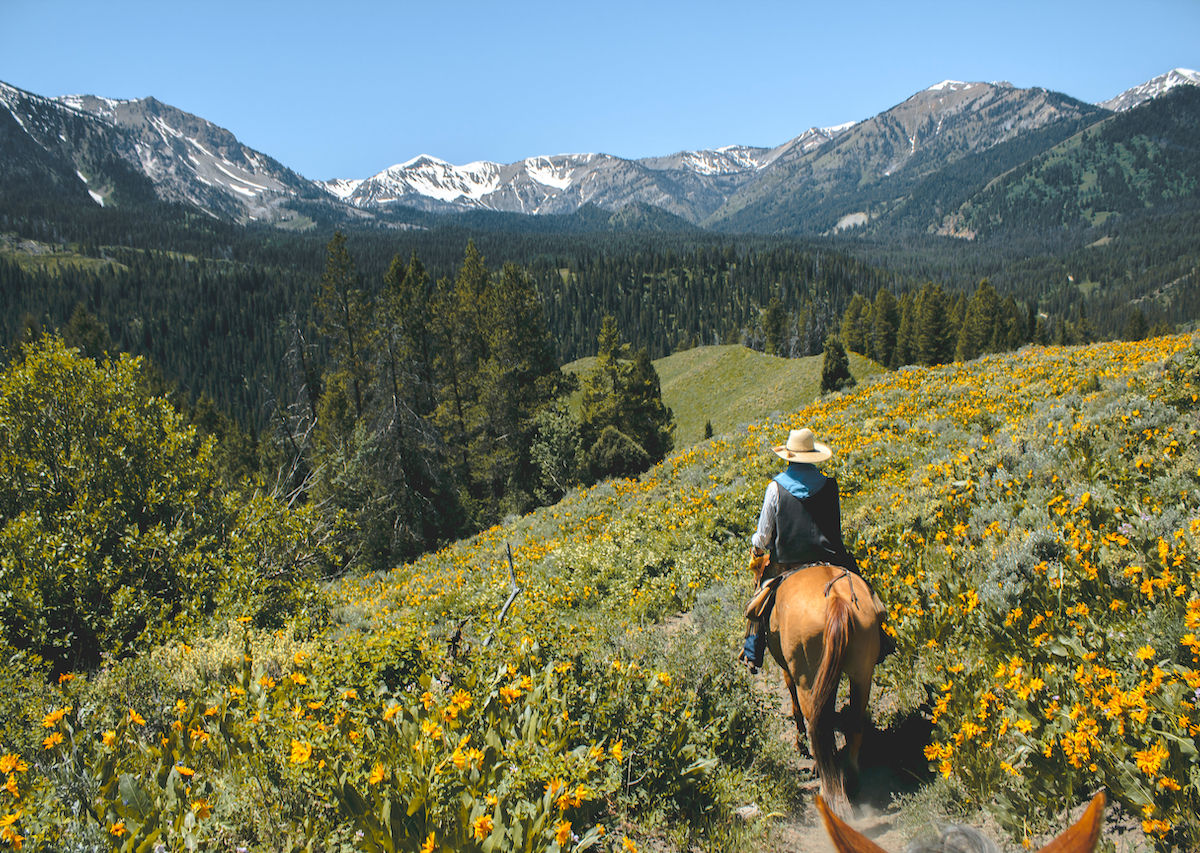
point(1031, 519)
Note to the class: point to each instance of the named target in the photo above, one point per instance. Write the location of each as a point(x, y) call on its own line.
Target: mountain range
point(958, 158)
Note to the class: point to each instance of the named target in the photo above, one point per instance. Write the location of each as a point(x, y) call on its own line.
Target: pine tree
point(885, 325)
point(773, 321)
point(622, 407)
point(649, 422)
point(602, 386)
point(835, 369)
point(855, 325)
point(933, 326)
point(978, 332)
point(405, 343)
point(1136, 327)
point(343, 310)
point(906, 347)
point(519, 377)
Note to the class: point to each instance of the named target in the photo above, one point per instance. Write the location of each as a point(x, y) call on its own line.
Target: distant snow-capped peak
point(1157, 87)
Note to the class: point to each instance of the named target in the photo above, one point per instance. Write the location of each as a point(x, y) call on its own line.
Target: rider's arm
point(765, 534)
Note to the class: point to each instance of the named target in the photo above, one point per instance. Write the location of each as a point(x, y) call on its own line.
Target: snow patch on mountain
point(342, 188)
point(544, 171)
point(950, 86)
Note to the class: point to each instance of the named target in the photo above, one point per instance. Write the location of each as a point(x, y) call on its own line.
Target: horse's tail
point(838, 629)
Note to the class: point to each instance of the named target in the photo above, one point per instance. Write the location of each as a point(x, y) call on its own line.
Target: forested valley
point(314, 359)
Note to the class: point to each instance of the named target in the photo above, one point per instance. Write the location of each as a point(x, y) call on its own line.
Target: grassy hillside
point(1032, 520)
point(733, 386)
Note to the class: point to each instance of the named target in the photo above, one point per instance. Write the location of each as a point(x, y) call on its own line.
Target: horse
point(824, 624)
point(1080, 837)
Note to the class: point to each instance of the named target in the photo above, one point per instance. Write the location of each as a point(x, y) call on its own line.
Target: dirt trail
point(879, 779)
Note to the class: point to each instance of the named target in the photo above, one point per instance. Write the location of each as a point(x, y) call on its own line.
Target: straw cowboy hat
point(801, 447)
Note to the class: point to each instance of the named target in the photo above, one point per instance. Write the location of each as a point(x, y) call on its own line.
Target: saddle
point(760, 604)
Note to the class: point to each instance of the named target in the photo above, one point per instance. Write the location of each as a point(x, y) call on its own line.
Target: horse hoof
point(850, 781)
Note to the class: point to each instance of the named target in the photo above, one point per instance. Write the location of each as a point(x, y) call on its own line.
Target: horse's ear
point(845, 839)
point(1081, 837)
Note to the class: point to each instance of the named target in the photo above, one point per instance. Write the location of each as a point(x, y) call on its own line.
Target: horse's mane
point(955, 838)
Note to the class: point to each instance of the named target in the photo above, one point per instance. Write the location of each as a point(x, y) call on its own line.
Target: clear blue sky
point(345, 88)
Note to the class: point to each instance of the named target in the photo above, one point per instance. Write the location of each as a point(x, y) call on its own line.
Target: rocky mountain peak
point(1154, 88)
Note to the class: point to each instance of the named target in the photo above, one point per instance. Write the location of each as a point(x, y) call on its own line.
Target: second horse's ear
point(1081, 836)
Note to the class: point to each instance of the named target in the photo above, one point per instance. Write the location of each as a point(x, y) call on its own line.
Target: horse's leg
point(855, 723)
point(798, 715)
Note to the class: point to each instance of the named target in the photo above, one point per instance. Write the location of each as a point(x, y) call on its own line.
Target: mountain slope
point(869, 168)
point(1135, 160)
point(102, 144)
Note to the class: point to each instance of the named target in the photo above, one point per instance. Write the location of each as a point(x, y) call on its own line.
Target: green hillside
point(732, 386)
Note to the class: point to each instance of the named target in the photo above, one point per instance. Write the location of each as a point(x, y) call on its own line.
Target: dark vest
point(810, 530)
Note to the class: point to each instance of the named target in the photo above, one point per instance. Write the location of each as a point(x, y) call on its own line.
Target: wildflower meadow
point(1031, 519)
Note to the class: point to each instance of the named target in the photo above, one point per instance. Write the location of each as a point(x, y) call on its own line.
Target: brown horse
point(1080, 837)
point(824, 624)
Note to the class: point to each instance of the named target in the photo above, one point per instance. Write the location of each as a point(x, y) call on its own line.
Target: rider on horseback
point(801, 525)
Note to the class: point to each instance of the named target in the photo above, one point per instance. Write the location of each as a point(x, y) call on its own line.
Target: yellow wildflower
point(118, 828)
point(1150, 760)
point(428, 846)
point(482, 827)
point(376, 775)
point(52, 740)
point(301, 751)
point(51, 720)
point(562, 833)
point(136, 718)
point(10, 762)
point(202, 808)
point(389, 712)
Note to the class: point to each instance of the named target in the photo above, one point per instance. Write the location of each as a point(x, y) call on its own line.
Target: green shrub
point(111, 521)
